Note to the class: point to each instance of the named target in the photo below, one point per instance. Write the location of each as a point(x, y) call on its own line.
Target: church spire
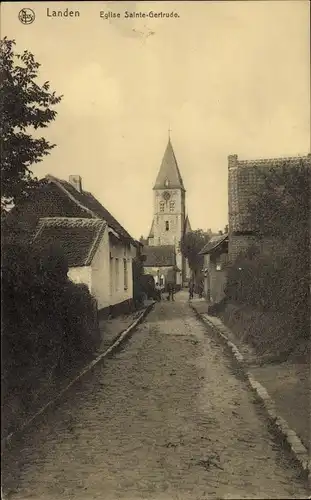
point(169, 174)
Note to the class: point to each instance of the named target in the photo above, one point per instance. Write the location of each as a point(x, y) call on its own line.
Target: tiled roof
point(169, 171)
point(95, 209)
point(157, 256)
point(77, 237)
point(213, 243)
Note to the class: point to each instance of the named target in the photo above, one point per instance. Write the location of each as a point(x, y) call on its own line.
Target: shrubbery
point(138, 290)
point(279, 284)
point(278, 281)
point(47, 321)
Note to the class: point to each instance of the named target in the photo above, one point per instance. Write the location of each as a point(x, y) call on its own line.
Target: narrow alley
point(164, 418)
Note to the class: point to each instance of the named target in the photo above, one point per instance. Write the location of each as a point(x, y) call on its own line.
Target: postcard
point(155, 176)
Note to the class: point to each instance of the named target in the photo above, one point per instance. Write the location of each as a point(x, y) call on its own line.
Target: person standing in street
point(171, 291)
point(158, 292)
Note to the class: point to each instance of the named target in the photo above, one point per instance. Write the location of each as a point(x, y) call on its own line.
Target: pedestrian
point(172, 292)
point(158, 292)
point(191, 290)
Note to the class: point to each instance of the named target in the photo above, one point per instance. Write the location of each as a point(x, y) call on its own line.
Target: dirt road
point(165, 418)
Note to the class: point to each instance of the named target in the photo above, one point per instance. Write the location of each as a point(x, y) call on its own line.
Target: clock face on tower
point(166, 195)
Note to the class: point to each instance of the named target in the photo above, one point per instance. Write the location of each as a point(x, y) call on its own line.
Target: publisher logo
point(26, 16)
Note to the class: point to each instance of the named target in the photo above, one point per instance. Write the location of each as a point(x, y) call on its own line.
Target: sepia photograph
point(155, 243)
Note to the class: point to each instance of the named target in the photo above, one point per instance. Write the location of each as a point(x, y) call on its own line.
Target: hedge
point(46, 319)
point(272, 283)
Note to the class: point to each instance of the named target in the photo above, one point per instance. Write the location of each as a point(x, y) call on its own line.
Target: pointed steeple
point(169, 175)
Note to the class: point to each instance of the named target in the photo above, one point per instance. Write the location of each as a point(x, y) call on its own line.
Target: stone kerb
point(278, 424)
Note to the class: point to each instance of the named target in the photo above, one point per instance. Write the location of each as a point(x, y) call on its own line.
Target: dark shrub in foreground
point(47, 321)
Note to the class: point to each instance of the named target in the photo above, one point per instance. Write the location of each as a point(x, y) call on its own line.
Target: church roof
point(157, 256)
point(169, 171)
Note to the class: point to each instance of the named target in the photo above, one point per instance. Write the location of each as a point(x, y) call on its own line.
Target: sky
point(225, 77)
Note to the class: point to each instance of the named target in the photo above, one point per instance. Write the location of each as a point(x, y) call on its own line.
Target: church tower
point(169, 219)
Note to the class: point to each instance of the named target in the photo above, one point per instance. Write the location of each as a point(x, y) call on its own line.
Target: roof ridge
point(59, 217)
point(88, 193)
point(213, 243)
point(97, 210)
point(59, 183)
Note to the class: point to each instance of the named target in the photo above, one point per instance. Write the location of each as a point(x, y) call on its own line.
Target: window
point(161, 206)
point(117, 274)
point(167, 225)
point(125, 274)
point(172, 206)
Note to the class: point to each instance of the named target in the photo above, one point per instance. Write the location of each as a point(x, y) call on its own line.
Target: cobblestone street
point(165, 418)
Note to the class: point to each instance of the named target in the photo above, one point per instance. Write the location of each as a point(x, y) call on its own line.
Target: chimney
point(76, 182)
point(232, 161)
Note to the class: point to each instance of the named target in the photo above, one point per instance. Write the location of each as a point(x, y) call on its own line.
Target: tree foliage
point(278, 280)
point(25, 106)
point(46, 319)
point(281, 209)
point(191, 244)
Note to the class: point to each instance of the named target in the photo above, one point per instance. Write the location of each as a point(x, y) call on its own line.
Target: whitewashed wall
point(117, 253)
point(100, 284)
point(80, 275)
point(104, 282)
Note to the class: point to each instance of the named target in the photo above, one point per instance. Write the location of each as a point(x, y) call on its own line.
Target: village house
point(160, 262)
point(215, 254)
point(100, 252)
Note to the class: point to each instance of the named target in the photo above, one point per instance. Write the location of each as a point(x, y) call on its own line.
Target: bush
point(279, 284)
point(45, 317)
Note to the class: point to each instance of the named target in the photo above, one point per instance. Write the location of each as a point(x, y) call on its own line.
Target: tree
point(280, 279)
point(25, 107)
point(281, 207)
point(190, 246)
point(281, 211)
